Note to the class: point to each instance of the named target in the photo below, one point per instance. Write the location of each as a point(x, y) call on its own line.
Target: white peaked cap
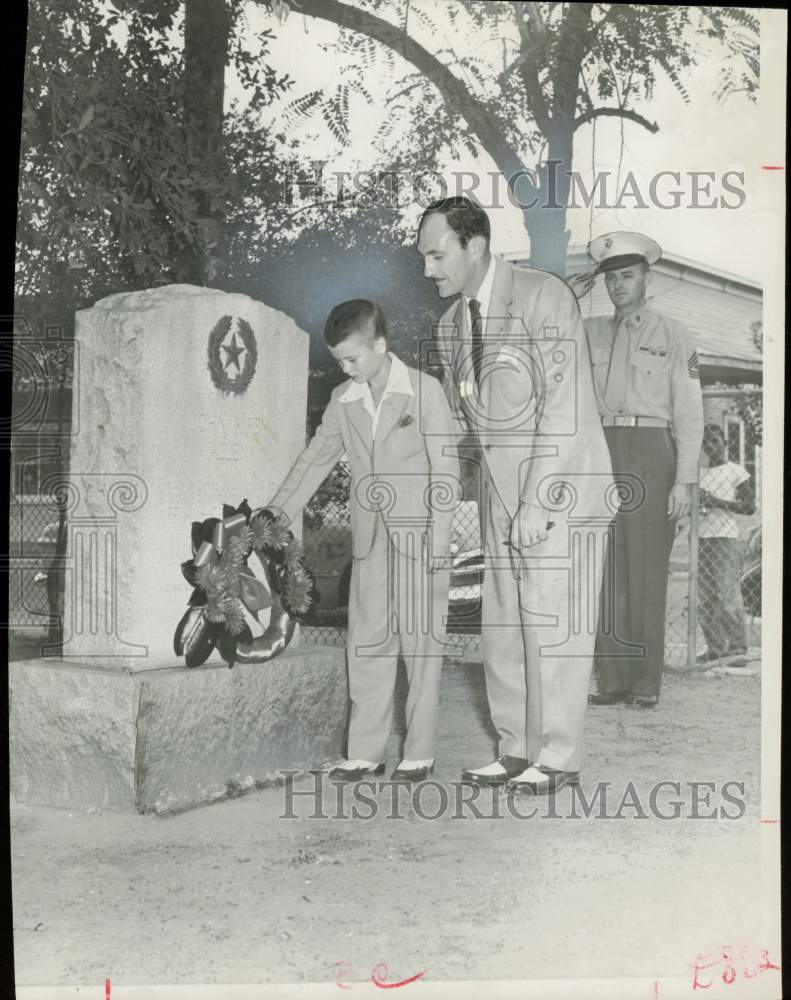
point(621, 249)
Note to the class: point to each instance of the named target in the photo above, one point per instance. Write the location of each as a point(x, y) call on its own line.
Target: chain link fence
point(714, 582)
point(37, 552)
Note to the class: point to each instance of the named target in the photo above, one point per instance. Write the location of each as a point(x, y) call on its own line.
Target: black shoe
point(707, 657)
point(555, 780)
point(415, 774)
point(511, 767)
point(607, 697)
point(643, 700)
point(356, 773)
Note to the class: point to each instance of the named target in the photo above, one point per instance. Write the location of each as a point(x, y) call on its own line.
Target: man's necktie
point(477, 338)
point(615, 386)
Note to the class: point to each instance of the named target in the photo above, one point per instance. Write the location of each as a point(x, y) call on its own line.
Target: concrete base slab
point(165, 740)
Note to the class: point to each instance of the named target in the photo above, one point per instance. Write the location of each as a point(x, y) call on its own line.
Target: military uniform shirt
point(662, 378)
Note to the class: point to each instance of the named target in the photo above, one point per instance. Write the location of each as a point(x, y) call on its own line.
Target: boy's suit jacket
point(536, 417)
point(409, 475)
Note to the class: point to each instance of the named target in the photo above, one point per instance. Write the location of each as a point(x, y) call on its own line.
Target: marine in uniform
point(647, 383)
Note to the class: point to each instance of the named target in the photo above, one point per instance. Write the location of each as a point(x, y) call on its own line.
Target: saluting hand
point(581, 283)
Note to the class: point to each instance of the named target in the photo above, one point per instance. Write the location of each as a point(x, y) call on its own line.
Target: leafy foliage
point(563, 65)
point(114, 193)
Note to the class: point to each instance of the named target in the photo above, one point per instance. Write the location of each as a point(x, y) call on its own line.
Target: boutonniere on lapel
point(406, 420)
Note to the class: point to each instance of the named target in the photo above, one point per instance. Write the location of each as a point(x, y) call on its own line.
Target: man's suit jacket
point(408, 475)
point(535, 416)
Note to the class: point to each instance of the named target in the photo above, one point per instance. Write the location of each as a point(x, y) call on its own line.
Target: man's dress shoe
point(511, 766)
point(356, 773)
point(643, 700)
point(415, 774)
point(607, 697)
point(540, 780)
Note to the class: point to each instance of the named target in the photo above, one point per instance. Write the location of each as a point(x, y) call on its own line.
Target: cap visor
point(620, 260)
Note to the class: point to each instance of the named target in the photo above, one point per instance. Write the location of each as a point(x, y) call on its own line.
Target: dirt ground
point(235, 893)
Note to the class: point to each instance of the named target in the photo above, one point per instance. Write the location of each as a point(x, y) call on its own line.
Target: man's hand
point(528, 527)
point(679, 502)
point(581, 283)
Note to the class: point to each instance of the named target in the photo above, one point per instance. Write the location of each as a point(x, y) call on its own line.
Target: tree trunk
point(546, 222)
point(207, 26)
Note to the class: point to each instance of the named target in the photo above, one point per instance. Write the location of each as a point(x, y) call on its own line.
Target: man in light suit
point(396, 429)
point(517, 374)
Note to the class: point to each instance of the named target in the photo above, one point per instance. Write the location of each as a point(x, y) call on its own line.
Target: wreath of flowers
point(218, 373)
point(225, 589)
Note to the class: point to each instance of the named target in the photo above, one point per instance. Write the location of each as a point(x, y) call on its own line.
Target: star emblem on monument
point(232, 353)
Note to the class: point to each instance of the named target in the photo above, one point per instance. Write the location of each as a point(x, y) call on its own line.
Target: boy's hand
point(276, 512)
point(436, 559)
point(437, 562)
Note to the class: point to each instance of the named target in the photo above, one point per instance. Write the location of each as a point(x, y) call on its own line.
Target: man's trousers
point(394, 604)
point(630, 647)
point(538, 635)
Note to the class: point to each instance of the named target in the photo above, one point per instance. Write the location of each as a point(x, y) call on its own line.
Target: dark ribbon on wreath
point(224, 587)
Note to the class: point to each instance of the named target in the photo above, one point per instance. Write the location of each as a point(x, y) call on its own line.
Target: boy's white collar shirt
point(398, 381)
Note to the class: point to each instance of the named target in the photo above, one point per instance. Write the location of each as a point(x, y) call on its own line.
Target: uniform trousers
point(394, 605)
point(630, 646)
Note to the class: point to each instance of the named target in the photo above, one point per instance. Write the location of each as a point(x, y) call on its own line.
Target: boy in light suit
point(396, 429)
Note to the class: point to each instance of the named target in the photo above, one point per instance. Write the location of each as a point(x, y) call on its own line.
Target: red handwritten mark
point(772, 168)
point(656, 987)
point(696, 968)
point(107, 989)
point(345, 971)
point(765, 963)
point(770, 821)
point(378, 979)
point(728, 971)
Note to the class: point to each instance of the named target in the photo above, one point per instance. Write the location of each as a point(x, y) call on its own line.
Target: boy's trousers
point(394, 603)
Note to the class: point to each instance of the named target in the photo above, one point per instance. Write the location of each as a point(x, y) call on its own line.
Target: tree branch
point(631, 116)
point(531, 43)
point(479, 115)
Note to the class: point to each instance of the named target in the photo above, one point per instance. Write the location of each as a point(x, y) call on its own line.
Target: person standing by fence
point(725, 490)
